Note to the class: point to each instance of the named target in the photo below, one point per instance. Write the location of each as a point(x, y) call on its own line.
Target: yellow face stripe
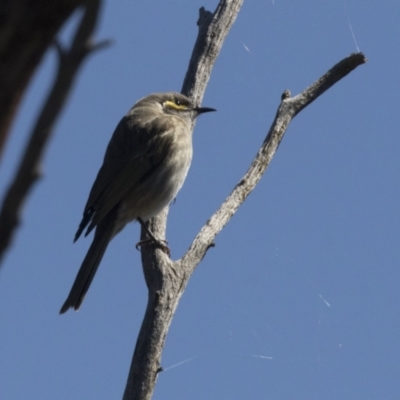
point(172, 104)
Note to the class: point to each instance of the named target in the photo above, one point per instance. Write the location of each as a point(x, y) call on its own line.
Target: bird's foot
point(153, 240)
point(161, 244)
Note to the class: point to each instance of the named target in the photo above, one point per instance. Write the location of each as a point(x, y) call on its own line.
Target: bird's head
point(174, 104)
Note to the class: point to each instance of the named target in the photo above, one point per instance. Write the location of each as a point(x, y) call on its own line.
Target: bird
point(144, 167)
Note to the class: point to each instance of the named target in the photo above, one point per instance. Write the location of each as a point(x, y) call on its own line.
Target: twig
point(28, 171)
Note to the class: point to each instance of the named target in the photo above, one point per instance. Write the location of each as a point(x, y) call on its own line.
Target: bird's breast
point(163, 182)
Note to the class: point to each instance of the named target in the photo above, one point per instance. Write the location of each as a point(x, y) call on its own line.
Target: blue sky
point(299, 299)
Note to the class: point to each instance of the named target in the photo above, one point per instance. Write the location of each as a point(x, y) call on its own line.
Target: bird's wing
point(131, 156)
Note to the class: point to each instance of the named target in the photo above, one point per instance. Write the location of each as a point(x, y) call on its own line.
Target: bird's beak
point(202, 110)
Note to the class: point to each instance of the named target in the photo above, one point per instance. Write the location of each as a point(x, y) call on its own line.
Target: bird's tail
point(104, 233)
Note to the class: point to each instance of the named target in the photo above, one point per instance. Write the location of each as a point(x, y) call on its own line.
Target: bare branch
point(287, 110)
point(213, 29)
point(28, 171)
point(335, 74)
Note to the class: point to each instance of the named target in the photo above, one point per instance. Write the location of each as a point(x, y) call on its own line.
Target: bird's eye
point(178, 102)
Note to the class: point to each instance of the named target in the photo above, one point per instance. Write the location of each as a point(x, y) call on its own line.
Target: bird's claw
point(161, 244)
